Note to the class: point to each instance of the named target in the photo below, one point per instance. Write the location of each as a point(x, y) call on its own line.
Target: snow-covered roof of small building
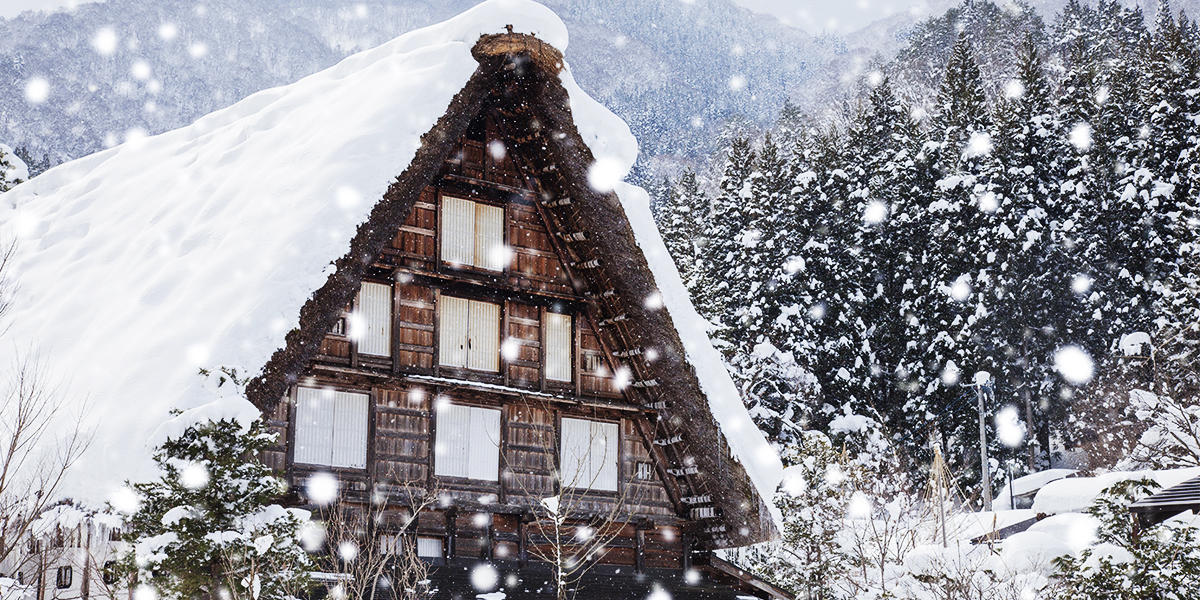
point(197, 248)
point(1075, 494)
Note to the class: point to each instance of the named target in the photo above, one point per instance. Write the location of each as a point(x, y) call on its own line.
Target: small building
point(1167, 503)
point(425, 266)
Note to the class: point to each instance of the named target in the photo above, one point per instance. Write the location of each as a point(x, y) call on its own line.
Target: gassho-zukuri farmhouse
point(425, 265)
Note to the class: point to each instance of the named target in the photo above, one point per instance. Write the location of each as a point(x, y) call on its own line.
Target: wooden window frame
point(64, 577)
point(290, 461)
point(474, 196)
point(620, 455)
point(435, 425)
point(442, 369)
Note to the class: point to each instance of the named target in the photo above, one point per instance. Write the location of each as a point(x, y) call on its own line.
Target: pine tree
point(208, 526)
point(13, 170)
point(681, 222)
point(725, 223)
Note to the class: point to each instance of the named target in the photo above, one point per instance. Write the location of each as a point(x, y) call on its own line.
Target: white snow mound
point(196, 248)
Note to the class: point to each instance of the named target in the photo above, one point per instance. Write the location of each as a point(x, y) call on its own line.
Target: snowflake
point(37, 90)
point(1009, 429)
point(167, 32)
point(859, 506)
point(960, 290)
point(510, 349)
point(198, 50)
point(484, 577)
point(1014, 89)
point(125, 500)
point(348, 551)
point(322, 488)
point(737, 83)
point(654, 301)
point(1081, 284)
point(1074, 364)
point(604, 174)
point(988, 202)
point(193, 476)
point(140, 70)
point(497, 150)
point(875, 212)
point(691, 577)
point(1081, 136)
point(980, 144)
point(105, 41)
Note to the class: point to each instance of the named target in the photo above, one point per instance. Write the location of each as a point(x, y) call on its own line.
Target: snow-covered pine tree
point(1032, 268)
point(889, 216)
point(963, 228)
point(12, 169)
point(681, 220)
point(209, 526)
point(724, 225)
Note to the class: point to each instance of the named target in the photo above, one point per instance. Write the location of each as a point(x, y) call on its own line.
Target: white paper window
point(468, 442)
point(331, 428)
point(429, 547)
point(589, 453)
point(473, 234)
point(558, 347)
point(469, 334)
point(375, 316)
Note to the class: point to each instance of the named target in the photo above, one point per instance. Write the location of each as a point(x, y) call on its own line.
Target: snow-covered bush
point(1161, 562)
point(12, 169)
point(209, 525)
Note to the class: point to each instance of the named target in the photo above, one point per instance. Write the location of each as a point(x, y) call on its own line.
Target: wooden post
point(451, 530)
point(639, 559)
point(686, 559)
point(522, 543)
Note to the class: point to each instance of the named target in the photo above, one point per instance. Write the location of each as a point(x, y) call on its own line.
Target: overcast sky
point(12, 8)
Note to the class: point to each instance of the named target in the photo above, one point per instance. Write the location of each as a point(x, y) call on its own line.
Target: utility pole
point(983, 386)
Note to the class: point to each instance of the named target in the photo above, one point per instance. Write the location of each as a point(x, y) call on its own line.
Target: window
point(371, 325)
point(645, 471)
point(114, 534)
point(62, 580)
point(473, 234)
point(331, 428)
point(468, 442)
point(469, 334)
point(339, 327)
point(429, 547)
point(588, 457)
point(109, 574)
point(558, 347)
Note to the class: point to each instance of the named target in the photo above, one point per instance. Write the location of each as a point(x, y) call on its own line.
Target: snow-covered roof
point(1027, 484)
point(140, 265)
point(1075, 494)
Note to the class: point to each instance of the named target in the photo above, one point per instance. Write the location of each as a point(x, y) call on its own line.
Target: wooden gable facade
point(492, 305)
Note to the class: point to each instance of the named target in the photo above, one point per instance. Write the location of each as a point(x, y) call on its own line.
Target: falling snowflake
point(691, 577)
point(198, 50)
point(484, 577)
point(312, 536)
point(1102, 94)
point(125, 500)
point(604, 174)
point(497, 150)
point(1014, 89)
point(510, 349)
point(794, 483)
point(105, 41)
point(737, 83)
point(658, 593)
point(980, 144)
point(654, 301)
point(322, 488)
point(960, 290)
point(950, 373)
point(874, 78)
point(859, 506)
point(347, 197)
point(622, 378)
point(167, 32)
point(1009, 429)
point(697, 122)
point(1074, 364)
point(1081, 136)
point(193, 476)
point(37, 90)
point(348, 551)
point(988, 202)
point(140, 70)
point(144, 592)
point(834, 475)
point(1081, 284)
point(875, 212)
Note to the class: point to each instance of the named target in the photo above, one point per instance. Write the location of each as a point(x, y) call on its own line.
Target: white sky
point(837, 16)
point(12, 8)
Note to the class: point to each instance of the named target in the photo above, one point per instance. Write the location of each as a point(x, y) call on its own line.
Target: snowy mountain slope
point(167, 236)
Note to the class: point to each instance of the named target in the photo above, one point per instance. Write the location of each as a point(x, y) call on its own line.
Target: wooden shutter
point(574, 470)
point(604, 455)
point(350, 430)
point(458, 231)
point(558, 347)
point(375, 310)
point(489, 237)
point(484, 335)
point(451, 450)
point(315, 411)
point(452, 331)
point(484, 444)
point(429, 547)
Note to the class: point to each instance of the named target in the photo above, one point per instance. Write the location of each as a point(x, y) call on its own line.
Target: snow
point(1075, 494)
point(970, 525)
point(37, 90)
point(18, 169)
point(1076, 530)
point(1135, 344)
point(1031, 551)
point(141, 264)
point(484, 577)
point(1031, 482)
point(322, 488)
point(1074, 364)
point(1009, 429)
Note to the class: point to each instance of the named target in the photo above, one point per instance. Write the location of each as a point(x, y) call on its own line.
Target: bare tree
point(40, 440)
point(365, 555)
point(572, 529)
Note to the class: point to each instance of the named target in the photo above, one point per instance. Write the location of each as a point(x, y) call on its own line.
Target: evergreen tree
point(12, 169)
point(725, 223)
point(208, 526)
point(681, 222)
